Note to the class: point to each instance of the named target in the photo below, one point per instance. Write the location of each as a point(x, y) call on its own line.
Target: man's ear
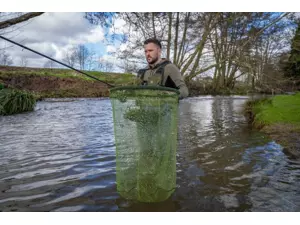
point(159, 51)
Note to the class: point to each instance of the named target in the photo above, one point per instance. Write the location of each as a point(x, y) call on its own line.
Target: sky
point(54, 33)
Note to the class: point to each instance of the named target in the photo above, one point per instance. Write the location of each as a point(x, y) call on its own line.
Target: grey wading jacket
point(165, 74)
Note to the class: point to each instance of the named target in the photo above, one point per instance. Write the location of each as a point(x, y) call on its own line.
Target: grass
point(62, 83)
point(112, 78)
point(280, 109)
point(16, 101)
point(279, 117)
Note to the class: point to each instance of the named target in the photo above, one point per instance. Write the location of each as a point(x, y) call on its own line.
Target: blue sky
point(99, 47)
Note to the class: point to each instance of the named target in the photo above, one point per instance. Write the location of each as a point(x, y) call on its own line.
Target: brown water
point(61, 157)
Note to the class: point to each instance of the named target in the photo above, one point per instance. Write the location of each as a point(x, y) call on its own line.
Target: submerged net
point(145, 127)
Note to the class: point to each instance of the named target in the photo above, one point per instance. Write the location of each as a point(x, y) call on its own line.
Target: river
point(61, 157)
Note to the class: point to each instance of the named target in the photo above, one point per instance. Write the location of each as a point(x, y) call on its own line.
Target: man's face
point(152, 53)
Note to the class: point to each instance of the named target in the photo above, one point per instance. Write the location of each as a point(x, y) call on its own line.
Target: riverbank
point(279, 117)
point(66, 83)
point(61, 83)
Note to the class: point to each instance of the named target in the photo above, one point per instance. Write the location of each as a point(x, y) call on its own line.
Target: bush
point(16, 101)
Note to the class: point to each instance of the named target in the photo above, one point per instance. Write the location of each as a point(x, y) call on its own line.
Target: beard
point(152, 60)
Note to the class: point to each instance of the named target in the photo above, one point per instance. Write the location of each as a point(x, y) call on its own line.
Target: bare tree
point(81, 57)
point(70, 57)
point(105, 65)
point(234, 42)
point(50, 64)
point(128, 67)
point(23, 61)
point(82, 53)
point(91, 60)
point(183, 35)
point(222, 44)
point(5, 58)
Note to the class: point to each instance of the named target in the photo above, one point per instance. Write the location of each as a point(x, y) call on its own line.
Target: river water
point(61, 157)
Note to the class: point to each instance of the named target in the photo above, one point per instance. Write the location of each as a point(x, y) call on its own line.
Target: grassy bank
point(60, 83)
point(52, 83)
point(280, 118)
point(111, 78)
point(279, 109)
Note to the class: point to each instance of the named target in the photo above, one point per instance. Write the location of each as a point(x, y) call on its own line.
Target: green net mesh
point(145, 127)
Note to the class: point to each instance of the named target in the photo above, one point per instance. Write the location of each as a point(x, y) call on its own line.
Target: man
point(161, 71)
point(157, 128)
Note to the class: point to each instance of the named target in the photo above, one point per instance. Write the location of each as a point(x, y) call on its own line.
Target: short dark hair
point(154, 41)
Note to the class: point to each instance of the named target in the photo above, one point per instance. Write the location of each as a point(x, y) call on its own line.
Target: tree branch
point(19, 19)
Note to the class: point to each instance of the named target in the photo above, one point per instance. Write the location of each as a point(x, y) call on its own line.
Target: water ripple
point(61, 157)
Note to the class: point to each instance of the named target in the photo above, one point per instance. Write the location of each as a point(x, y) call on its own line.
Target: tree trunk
point(176, 39)
point(153, 25)
point(181, 53)
point(169, 35)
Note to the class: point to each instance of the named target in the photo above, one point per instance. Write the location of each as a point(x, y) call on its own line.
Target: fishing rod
point(22, 46)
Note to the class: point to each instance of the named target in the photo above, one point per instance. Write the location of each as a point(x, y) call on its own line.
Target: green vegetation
point(26, 85)
point(279, 117)
point(117, 79)
point(280, 109)
point(292, 67)
point(62, 83)
point(112, 78)
point(15, 101)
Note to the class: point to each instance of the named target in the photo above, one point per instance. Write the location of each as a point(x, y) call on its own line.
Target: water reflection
point(61, 157)
point(217, 173)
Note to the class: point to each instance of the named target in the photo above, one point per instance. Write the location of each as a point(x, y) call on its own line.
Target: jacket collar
point(157, 64)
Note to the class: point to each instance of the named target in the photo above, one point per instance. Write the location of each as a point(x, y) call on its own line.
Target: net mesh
point(145, 127)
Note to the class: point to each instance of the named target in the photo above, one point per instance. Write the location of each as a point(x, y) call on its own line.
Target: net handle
point(158, 88)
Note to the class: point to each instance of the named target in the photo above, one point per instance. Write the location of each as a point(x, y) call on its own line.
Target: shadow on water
point(61, 157)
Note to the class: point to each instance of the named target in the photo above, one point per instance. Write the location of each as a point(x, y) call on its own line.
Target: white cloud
point(123, 46)
point(111, 49)
point(108, 58)
point(91, 36)
point(52, 34)
point(119, 27)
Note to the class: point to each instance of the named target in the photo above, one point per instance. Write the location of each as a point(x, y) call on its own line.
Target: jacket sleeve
point(173, 72)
